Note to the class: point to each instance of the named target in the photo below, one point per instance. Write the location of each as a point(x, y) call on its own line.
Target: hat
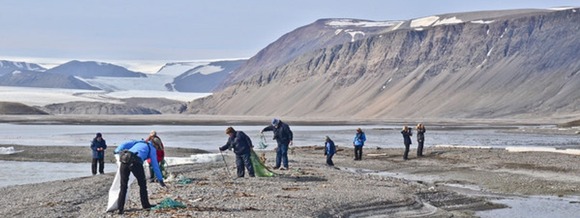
point(230, 130)
point(275, 121)
point(99, 134)
point(359, 130)
point(153, 133)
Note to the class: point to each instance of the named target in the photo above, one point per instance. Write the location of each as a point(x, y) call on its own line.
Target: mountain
point(91, 69)
point(11, 66)
point(320, 34)
point(13, 108)
point(129, 106)
point(24, 78)
point(490, 64)
point(205, 78)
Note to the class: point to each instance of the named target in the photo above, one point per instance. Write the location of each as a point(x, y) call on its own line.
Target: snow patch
point(350, 22)
point(446, 21)
point(423, 22)
point(9, 150)
point(353, 34)
point(207, 70)
point(561, 8)
point(543, 149)
point(483, 21)
point(196, 158)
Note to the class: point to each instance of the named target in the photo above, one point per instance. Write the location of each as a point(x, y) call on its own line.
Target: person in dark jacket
point(406, 140)
point(132, 155)
point(242, 146)
point(329, 151)
point(283, 136)
point(358, 143)
point(420, 139)
point(98, 145)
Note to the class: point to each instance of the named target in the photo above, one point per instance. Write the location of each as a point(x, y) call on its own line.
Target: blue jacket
point(98, 144)
point(144, 151)
point(240, 142)
point(359, 139)
point(282, 134)
point(330, 148)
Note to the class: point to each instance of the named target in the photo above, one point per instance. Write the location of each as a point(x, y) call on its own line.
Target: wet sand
point(447, 182)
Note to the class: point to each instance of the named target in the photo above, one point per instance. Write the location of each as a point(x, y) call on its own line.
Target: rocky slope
point(512, 64)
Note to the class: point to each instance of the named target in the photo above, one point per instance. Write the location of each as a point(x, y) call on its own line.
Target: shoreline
point(447, 182)
point(191, 119)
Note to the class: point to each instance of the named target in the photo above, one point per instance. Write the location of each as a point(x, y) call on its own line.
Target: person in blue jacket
point(132, 155)
point(242, 146)
point(358, 143)
point(98, 145)
point(283, 136)
point(329, 151)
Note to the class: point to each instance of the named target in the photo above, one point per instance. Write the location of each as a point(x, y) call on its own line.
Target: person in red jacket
point(158, 144)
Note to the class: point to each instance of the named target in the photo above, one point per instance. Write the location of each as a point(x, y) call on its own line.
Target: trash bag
point(259, 169)
point(168, 203)
point(262, 144)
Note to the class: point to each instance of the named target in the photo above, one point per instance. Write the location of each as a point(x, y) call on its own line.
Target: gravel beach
point(447, 182)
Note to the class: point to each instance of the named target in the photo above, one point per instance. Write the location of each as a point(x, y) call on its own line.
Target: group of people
point(132, 155)
point(407, 133)
point(242, 146)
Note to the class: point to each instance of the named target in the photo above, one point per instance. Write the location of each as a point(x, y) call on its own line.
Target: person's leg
point(329, 160)
point(101, 165)
point(284, 154)
point(355, 153)
point(240, 165)
point(124, 173)
point(278, 156)
point(406, 154)
point(360, 153)
point(420, 148)
point(139, 173)
point(248, 163)
point(94, 166)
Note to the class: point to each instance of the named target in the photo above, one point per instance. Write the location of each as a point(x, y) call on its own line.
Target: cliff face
point(515, 65)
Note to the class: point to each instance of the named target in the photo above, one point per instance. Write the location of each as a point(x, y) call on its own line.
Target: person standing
point(160, 148)
point(329, 151)
point(283, 136)
point(406, 140)
point(98, 145)
point(242, 146)
point(420, 139)
point(358, 143)
point(132, 155)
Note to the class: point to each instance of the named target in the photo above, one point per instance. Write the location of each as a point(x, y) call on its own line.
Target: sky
point(143, 35)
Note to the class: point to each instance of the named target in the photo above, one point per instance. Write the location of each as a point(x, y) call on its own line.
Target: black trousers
point(358, 152)
point(135, 167)
point(101, 162)
point(241, 160)
point(329, 160)
point(406, 154)
point(420, 147)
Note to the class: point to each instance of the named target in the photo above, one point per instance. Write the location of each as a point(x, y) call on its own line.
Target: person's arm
point(93, 145)
point(104, 144)
point(268, 128)
point(227, 145)
point(155, 165)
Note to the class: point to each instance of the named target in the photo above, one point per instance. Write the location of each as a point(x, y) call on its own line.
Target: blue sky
point(153, 32)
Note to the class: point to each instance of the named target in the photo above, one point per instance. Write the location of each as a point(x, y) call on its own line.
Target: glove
point(162, 184)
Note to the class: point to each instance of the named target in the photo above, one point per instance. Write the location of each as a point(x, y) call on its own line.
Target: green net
point(168, 203)
point(259, 169)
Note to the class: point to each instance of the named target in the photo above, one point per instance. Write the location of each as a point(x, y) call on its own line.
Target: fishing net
point(262, 144)
point(259, 169)
point(168, 203)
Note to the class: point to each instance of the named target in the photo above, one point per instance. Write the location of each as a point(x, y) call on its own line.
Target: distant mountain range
point(93, 75)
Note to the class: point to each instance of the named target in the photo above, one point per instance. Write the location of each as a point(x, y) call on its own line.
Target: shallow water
point(18, 173)
point(211, 137)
